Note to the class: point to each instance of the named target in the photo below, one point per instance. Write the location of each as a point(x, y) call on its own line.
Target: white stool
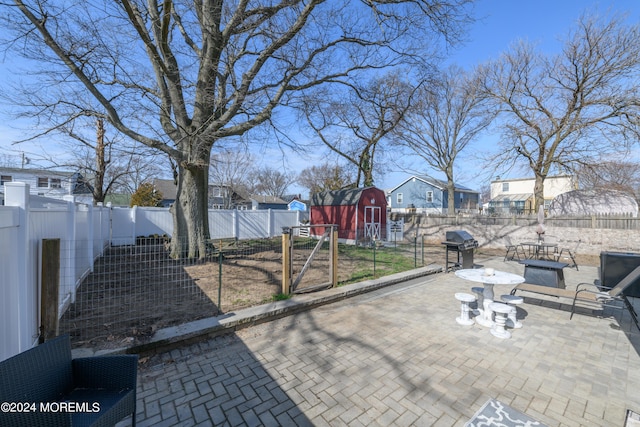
point(480, 296)
point(464, 299)
point(512, 300)
point(501, 311)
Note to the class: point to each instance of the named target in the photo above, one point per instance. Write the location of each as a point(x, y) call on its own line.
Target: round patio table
point(487, 279)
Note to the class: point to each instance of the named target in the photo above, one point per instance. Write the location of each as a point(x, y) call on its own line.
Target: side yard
point(135, 290)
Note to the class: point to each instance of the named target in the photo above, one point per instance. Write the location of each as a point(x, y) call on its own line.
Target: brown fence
point(617, 222)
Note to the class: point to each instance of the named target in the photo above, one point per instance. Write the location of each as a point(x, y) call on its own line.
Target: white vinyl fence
point(85, 231)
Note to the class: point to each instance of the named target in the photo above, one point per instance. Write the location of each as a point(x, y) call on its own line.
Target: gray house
point(49, 183)
point(424, 194)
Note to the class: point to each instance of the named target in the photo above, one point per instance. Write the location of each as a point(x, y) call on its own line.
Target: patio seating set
point(547, 250)
point(619, 279)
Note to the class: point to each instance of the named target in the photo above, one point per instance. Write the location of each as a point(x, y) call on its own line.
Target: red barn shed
point(360, 213)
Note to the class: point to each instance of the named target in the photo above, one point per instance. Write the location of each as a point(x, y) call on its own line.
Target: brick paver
point(397, 357)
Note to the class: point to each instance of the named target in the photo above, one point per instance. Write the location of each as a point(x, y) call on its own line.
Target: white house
point(49, 183)
point(516, 195)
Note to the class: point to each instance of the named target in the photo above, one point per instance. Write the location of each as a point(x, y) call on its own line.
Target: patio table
point(538, 250)
point(488, 277)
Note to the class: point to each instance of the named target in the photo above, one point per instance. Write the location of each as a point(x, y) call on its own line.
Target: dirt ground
point(134, 291)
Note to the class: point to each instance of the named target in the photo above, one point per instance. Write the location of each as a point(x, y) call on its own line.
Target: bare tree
point(268, 181)
point(325, 177)
point(107, 162)
point(620, 175)
point(230, 171)
point(563, 111)
point(210, 69)
point(354, 124)
point(448, 114)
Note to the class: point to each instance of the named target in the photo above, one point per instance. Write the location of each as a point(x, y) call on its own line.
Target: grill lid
point(458, 236)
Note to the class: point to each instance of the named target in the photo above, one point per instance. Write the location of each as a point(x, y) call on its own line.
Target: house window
point(43, 182)
point(505, 187)
point(4, 179)
point(399, 198)
point(429, 196)
point(56, 183)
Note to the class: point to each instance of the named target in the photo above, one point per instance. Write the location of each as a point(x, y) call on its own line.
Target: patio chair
point(514, 250)
point(605, 296)
point(568, 254)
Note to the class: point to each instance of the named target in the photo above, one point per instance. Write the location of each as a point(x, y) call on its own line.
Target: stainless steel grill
point(463, 244)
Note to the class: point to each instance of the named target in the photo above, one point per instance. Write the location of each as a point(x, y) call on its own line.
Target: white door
point(372, 215)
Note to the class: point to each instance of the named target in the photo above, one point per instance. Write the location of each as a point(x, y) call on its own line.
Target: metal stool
point(464, 299)
point(512, 301)
point(501, 311)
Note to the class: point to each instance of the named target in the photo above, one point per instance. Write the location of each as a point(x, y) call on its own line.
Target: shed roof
point(346, 197)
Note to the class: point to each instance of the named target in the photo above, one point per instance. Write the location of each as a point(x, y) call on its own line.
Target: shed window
point(399, 198)
point(43, 182)
point(56, 183)
point(429, 196)
point(4, 179)
point(505, 186)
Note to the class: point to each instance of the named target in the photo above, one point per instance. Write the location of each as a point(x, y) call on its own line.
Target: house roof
point(166, 187)
point(267, 199)
point(442, 185)
point(346, 197)
point(49, 172)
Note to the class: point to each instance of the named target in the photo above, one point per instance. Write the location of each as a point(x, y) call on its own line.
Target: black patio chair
point(514, 251)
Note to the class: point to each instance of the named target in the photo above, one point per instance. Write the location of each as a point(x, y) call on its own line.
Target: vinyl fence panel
point(10, 277)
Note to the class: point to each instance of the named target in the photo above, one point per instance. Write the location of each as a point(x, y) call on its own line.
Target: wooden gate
point(289, 282)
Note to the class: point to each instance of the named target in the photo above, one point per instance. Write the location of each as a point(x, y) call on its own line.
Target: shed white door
point(372, 215)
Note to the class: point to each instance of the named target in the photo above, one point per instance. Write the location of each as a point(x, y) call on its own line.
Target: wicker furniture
point(49, 388)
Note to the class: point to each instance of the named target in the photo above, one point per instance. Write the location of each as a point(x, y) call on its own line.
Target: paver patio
point(396, 356)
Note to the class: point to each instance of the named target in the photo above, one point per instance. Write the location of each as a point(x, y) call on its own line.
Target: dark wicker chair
point(102, 389)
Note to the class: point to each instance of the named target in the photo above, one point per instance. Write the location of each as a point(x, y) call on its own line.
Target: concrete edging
point(171, 337)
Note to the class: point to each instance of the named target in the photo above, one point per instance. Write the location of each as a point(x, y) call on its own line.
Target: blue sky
point(500, 22)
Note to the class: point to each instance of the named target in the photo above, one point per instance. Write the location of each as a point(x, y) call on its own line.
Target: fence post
point(50, 275)
point(333, 250)
point(68, 285)
point(236, 226)
point(286, 261)
point(90, 235)
point(134, 218)
point(17, 194)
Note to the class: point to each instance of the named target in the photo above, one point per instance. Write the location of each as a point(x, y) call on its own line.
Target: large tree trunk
point(190, 213)
point(451, 198)
point(538, 193)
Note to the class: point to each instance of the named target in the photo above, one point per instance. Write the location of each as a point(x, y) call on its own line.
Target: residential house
point(220, 196)
point(516, 195)
point(267, 202)
point(49, 183)
point(425, 194)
